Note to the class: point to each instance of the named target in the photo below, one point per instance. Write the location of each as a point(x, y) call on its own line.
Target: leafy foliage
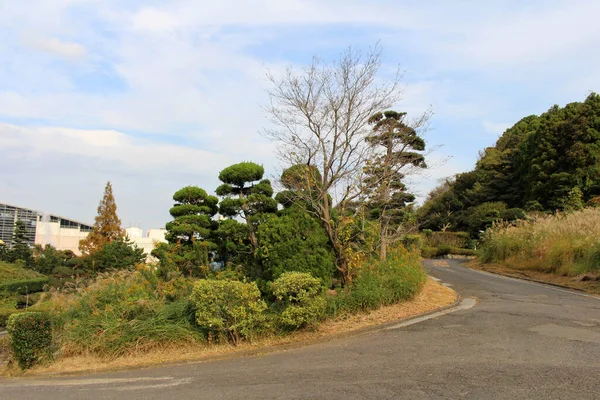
point(295, 241)
point(192, 214)
point(543, 163)
point(397, 145)
point(300, 296)
point(118, 254)
point(31, 337)
point(107, 225)
point(229, 309)
point(399, 277)
point(47, 258)
point(20, 249)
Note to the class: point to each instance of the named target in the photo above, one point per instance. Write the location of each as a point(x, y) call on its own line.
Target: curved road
point(520, 341)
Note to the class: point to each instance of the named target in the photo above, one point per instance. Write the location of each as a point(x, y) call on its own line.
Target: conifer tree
point(107, 226)
point(20, 249)
point(397, 146)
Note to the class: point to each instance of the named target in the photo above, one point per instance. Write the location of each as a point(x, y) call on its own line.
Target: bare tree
point(321, 120)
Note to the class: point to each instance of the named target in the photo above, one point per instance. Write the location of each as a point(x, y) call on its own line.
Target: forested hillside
point(543, 163)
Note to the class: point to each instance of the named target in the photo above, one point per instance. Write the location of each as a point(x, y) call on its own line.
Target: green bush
point(24, 286)
point(229, 309)
point(433, 252)
point(452, 239)
point(5, 313)
point(31, 337)
point(300, 295)
point(295, 241)
point(63, 272)
point(412, 241)
point(398, 278)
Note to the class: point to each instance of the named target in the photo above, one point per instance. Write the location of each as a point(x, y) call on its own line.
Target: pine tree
point(20, 249)
point(107, 226)
point(397, 145)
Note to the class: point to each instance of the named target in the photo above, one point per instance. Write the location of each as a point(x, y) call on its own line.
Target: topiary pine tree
point(397, 146)
point(245, 198)
point(107, 226)
point(192, 215)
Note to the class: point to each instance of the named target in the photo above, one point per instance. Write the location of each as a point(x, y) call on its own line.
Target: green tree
point(118, 254)
point(295, 241)
point(47, 258)
point(247, 196)
point(189, 235)
point(20, 249)
point(192, 216)
point(107, 226)
point(397, 146)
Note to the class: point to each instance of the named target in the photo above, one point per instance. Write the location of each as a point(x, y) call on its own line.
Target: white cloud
point(57, 47)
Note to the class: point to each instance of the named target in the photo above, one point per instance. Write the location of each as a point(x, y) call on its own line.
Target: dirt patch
point(432, 296)
point(585, 283)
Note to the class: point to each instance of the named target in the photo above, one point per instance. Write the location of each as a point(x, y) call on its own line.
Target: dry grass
point(432, 296)
point(566, 244)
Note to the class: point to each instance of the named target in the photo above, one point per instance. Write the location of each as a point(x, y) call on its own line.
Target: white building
point(146, 242)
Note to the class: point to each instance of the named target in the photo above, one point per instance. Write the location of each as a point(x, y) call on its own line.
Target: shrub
point(412, 241)
point(63, 272)
point(452, 239)
point(433, 252)
point(397, 278)
point(229, 309)
point(300, 295)
point(295, 241)
point(31, 337)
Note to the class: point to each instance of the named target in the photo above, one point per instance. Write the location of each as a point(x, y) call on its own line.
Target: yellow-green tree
point(107, 226)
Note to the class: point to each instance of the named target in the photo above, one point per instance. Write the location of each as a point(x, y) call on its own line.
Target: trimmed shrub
point(63, 272)
point(433, 252)
point(31, 337)
point(300, 295)
point(24, 286)
point(452, 239)
point(228, 309)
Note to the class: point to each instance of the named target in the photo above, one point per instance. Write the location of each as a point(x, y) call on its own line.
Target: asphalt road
point(520, 341)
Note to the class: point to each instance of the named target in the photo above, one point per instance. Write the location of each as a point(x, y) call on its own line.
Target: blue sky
point(156, 95)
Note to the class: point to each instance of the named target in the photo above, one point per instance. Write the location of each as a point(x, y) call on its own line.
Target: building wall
point(60, 237)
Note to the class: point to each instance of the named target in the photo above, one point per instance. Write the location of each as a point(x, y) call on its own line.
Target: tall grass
point(396, 279)
point(122, 313)
point(565, 243)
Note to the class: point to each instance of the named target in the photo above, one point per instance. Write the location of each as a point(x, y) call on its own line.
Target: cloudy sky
point(155, 95)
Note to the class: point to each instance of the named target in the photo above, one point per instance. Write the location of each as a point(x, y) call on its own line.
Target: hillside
point(543, 163)
point(12, 272)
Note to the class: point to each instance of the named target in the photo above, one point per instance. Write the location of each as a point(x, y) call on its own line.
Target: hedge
point(433, 252)
point(24, 286)
point(31, 337)
point(5, 313)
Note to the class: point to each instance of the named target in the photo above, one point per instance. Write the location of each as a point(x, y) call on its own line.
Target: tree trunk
point(383, 238)
point(341, 262)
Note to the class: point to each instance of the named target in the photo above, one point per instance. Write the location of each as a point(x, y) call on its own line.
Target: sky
point(157, 95)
